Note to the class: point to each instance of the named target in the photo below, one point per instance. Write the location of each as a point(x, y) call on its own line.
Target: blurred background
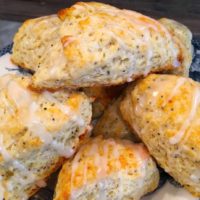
point(14, 12)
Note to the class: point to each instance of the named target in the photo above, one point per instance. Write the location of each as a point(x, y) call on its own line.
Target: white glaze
point(64, 108)
point(62, 150)
point(21, 96)
point(195, 176)
point(141, 164)
point(137, 21)
point(180, 134)
point(48, 96)
point(58, 59)
point(179, 83)
point(25, 102)
point(5, 154)
point(144, 29)
point(149, 51)
point(24, 99)
point(142, 25)
point(30, 177)
point(36, 126)
point(101, 162)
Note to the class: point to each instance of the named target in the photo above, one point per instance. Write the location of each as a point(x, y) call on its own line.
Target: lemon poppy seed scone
point(112, 125)
point(108, 169)
point(182, 37)
point(37, 131)
point(102, 97)
point(166, 115)
point(93, 44)
point(37, 44)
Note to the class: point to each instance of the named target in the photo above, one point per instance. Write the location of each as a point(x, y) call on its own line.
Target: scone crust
point(94, 44)
point(165, 112)
point(126, 171)
point(37, 131)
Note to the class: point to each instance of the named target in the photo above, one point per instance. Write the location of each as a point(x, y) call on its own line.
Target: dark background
point(185, 11)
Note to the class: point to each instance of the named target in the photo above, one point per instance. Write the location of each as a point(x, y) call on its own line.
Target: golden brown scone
point(37, 44)
point(182, 37)
point(37, 130)
point(165, 113)
point(102, 97)
point(111, 124)
point(108, 170)
point(94, 44)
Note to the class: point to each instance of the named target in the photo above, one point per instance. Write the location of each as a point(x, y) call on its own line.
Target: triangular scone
point(37, 130)
point(164, 110)
point(94, 44)
point(108, 169)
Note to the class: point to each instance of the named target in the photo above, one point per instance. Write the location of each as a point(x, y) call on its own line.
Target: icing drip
point(66, 109)
point(149, 52)
point(180, 134)
point(101, 151)
point(62, 149)
point(179, 83)
point(17, 165)
point(27, 176)
point(36, 126)
point(5, 154)
point(138, 23)
point(24, 98)
point(25, 104)
point(19, 95)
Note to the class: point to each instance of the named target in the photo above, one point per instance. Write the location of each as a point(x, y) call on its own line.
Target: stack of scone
point(84, 62)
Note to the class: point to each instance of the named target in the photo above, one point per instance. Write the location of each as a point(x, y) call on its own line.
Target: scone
point(182, 36)
point(102, 97)
point(37, 44)
point(37, 131)
point(107, 170)
point(165, 113)
point(94, 44)
point(111, 124)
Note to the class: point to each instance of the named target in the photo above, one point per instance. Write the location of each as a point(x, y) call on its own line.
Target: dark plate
point(47, 193)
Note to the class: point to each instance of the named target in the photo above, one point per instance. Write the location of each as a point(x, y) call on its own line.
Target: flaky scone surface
point(94, 44)
point(112, 125)
point(37, 130)
point(37, 44)
point(107, 169)
point(165, 114)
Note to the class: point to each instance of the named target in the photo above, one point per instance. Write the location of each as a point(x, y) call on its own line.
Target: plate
point(168, 188)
